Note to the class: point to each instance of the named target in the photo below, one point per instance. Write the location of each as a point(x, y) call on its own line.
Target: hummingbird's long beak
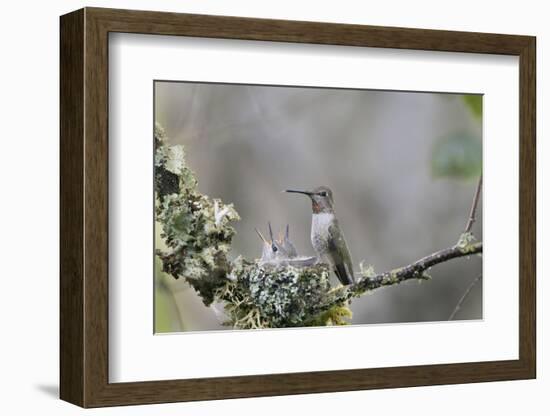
point(292, 191)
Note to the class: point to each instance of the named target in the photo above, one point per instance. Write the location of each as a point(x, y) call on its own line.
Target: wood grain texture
point(162, 23)
point(71, 101)
point(527, 208)
point(96, 208)
point(84, 207)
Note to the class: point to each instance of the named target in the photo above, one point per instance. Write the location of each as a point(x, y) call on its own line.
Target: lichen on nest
point(261, 296)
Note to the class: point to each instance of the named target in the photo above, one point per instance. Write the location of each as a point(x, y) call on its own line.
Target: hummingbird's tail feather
point(343, 274)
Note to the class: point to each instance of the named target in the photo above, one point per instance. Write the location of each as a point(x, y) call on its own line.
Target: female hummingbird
point(327, 237)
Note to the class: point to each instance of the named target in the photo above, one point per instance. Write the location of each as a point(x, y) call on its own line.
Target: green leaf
point(475, 103)
point(457, 156)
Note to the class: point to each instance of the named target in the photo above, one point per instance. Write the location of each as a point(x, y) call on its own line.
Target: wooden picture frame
point(84, 207)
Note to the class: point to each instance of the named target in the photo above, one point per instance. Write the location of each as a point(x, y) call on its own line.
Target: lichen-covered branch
point(196, 229)
point(198, 232)
point(416, 270)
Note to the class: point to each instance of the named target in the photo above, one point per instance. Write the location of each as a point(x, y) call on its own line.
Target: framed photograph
point(255, 207)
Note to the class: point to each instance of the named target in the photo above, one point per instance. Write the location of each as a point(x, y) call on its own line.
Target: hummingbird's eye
point(323, 193)
point(275, 249)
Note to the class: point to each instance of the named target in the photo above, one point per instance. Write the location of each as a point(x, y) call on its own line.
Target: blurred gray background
point(374, 149)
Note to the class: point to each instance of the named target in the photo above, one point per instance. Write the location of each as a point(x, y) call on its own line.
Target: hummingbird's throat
point(318, 208)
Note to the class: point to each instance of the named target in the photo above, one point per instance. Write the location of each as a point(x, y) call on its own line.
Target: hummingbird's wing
point(340, 254)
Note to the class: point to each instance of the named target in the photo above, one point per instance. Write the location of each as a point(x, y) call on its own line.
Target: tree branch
point(414, 270)
point(472, 216)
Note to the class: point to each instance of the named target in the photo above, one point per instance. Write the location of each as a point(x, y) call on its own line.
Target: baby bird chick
point(281, 251)
point(267, 249)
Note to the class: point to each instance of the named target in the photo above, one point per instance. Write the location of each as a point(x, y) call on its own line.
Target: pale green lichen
point(335, 316)
point(196, 229)
point(277, 296)
point(366, 270)
point(466, 242)
point(391, 277)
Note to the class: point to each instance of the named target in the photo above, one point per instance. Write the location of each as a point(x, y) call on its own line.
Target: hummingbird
point(327, 237)
point(281, 251)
